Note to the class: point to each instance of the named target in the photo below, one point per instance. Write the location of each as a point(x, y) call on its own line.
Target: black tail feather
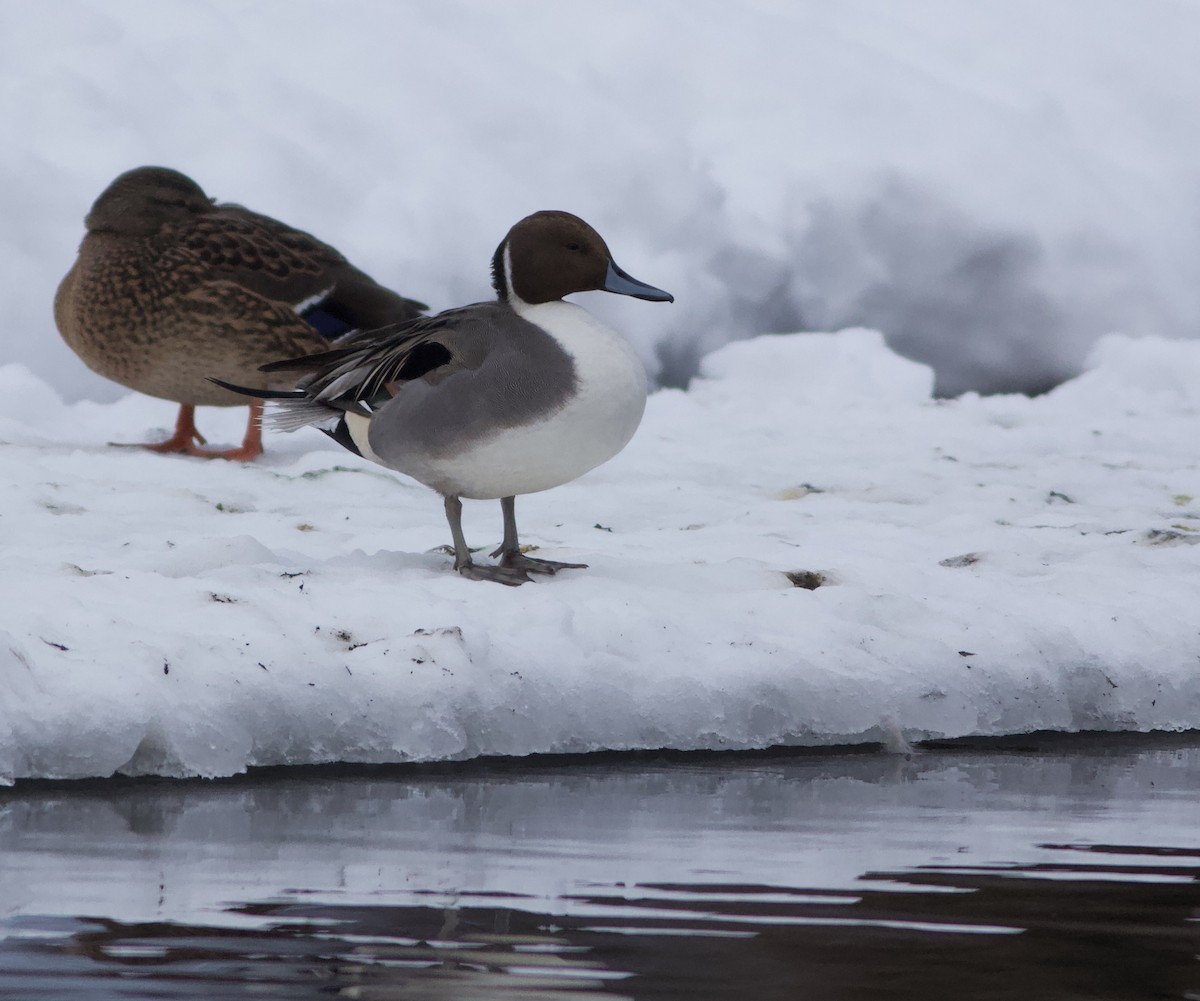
point(261, 394)
point(305, 363)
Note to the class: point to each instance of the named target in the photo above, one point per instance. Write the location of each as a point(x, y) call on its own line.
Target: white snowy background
point(992, 187)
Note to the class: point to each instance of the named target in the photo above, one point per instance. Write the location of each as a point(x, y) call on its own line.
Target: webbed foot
point(517, 560)
point(187, 440)
point(171, 446)
point(511, 576)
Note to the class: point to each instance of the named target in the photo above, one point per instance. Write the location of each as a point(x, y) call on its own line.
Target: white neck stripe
point(514, 300)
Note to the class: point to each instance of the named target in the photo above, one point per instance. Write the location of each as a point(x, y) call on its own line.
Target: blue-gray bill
point(625, 284)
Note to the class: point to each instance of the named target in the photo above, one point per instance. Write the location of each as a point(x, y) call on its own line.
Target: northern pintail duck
point(170, 288)
point(495, 399)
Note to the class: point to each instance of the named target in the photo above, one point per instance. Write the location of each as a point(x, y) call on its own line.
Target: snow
point(991, 565)
point(998, 188)
point(992, 185)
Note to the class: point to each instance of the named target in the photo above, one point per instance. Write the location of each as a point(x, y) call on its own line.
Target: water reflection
point(1065, 871)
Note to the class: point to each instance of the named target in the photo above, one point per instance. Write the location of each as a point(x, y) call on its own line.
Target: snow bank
point(992, 185)
point(990, 564)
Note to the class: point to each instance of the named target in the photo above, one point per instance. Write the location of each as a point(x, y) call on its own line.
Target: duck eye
point(574, 246)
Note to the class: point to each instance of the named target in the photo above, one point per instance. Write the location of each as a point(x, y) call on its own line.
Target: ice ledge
point(990, 566)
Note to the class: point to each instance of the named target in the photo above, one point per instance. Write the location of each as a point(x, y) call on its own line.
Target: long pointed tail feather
point(262, 394)
point(291, 409)
point(305, 363)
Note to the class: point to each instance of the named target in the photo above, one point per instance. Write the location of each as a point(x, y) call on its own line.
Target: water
point(1036, 869)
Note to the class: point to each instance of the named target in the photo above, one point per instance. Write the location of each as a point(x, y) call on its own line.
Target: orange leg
point(187, 440)
point(251, 443)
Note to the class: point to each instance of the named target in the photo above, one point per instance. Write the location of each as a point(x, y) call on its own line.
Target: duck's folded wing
point(295, 268)
point(371, 367)
point(226, 319)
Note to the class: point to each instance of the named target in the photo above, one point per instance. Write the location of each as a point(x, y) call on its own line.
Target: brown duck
point(171, 289)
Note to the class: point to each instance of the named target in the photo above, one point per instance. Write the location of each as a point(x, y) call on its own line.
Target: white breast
point(593, 426)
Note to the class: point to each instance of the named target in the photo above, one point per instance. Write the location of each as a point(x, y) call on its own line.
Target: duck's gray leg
point(462, 555)
point(510, 549)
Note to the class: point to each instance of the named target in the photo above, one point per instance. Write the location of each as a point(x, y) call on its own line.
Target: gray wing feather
point(355, 376)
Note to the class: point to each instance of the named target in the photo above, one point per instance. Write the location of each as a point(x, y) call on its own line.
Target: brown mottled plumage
point(170, 289)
